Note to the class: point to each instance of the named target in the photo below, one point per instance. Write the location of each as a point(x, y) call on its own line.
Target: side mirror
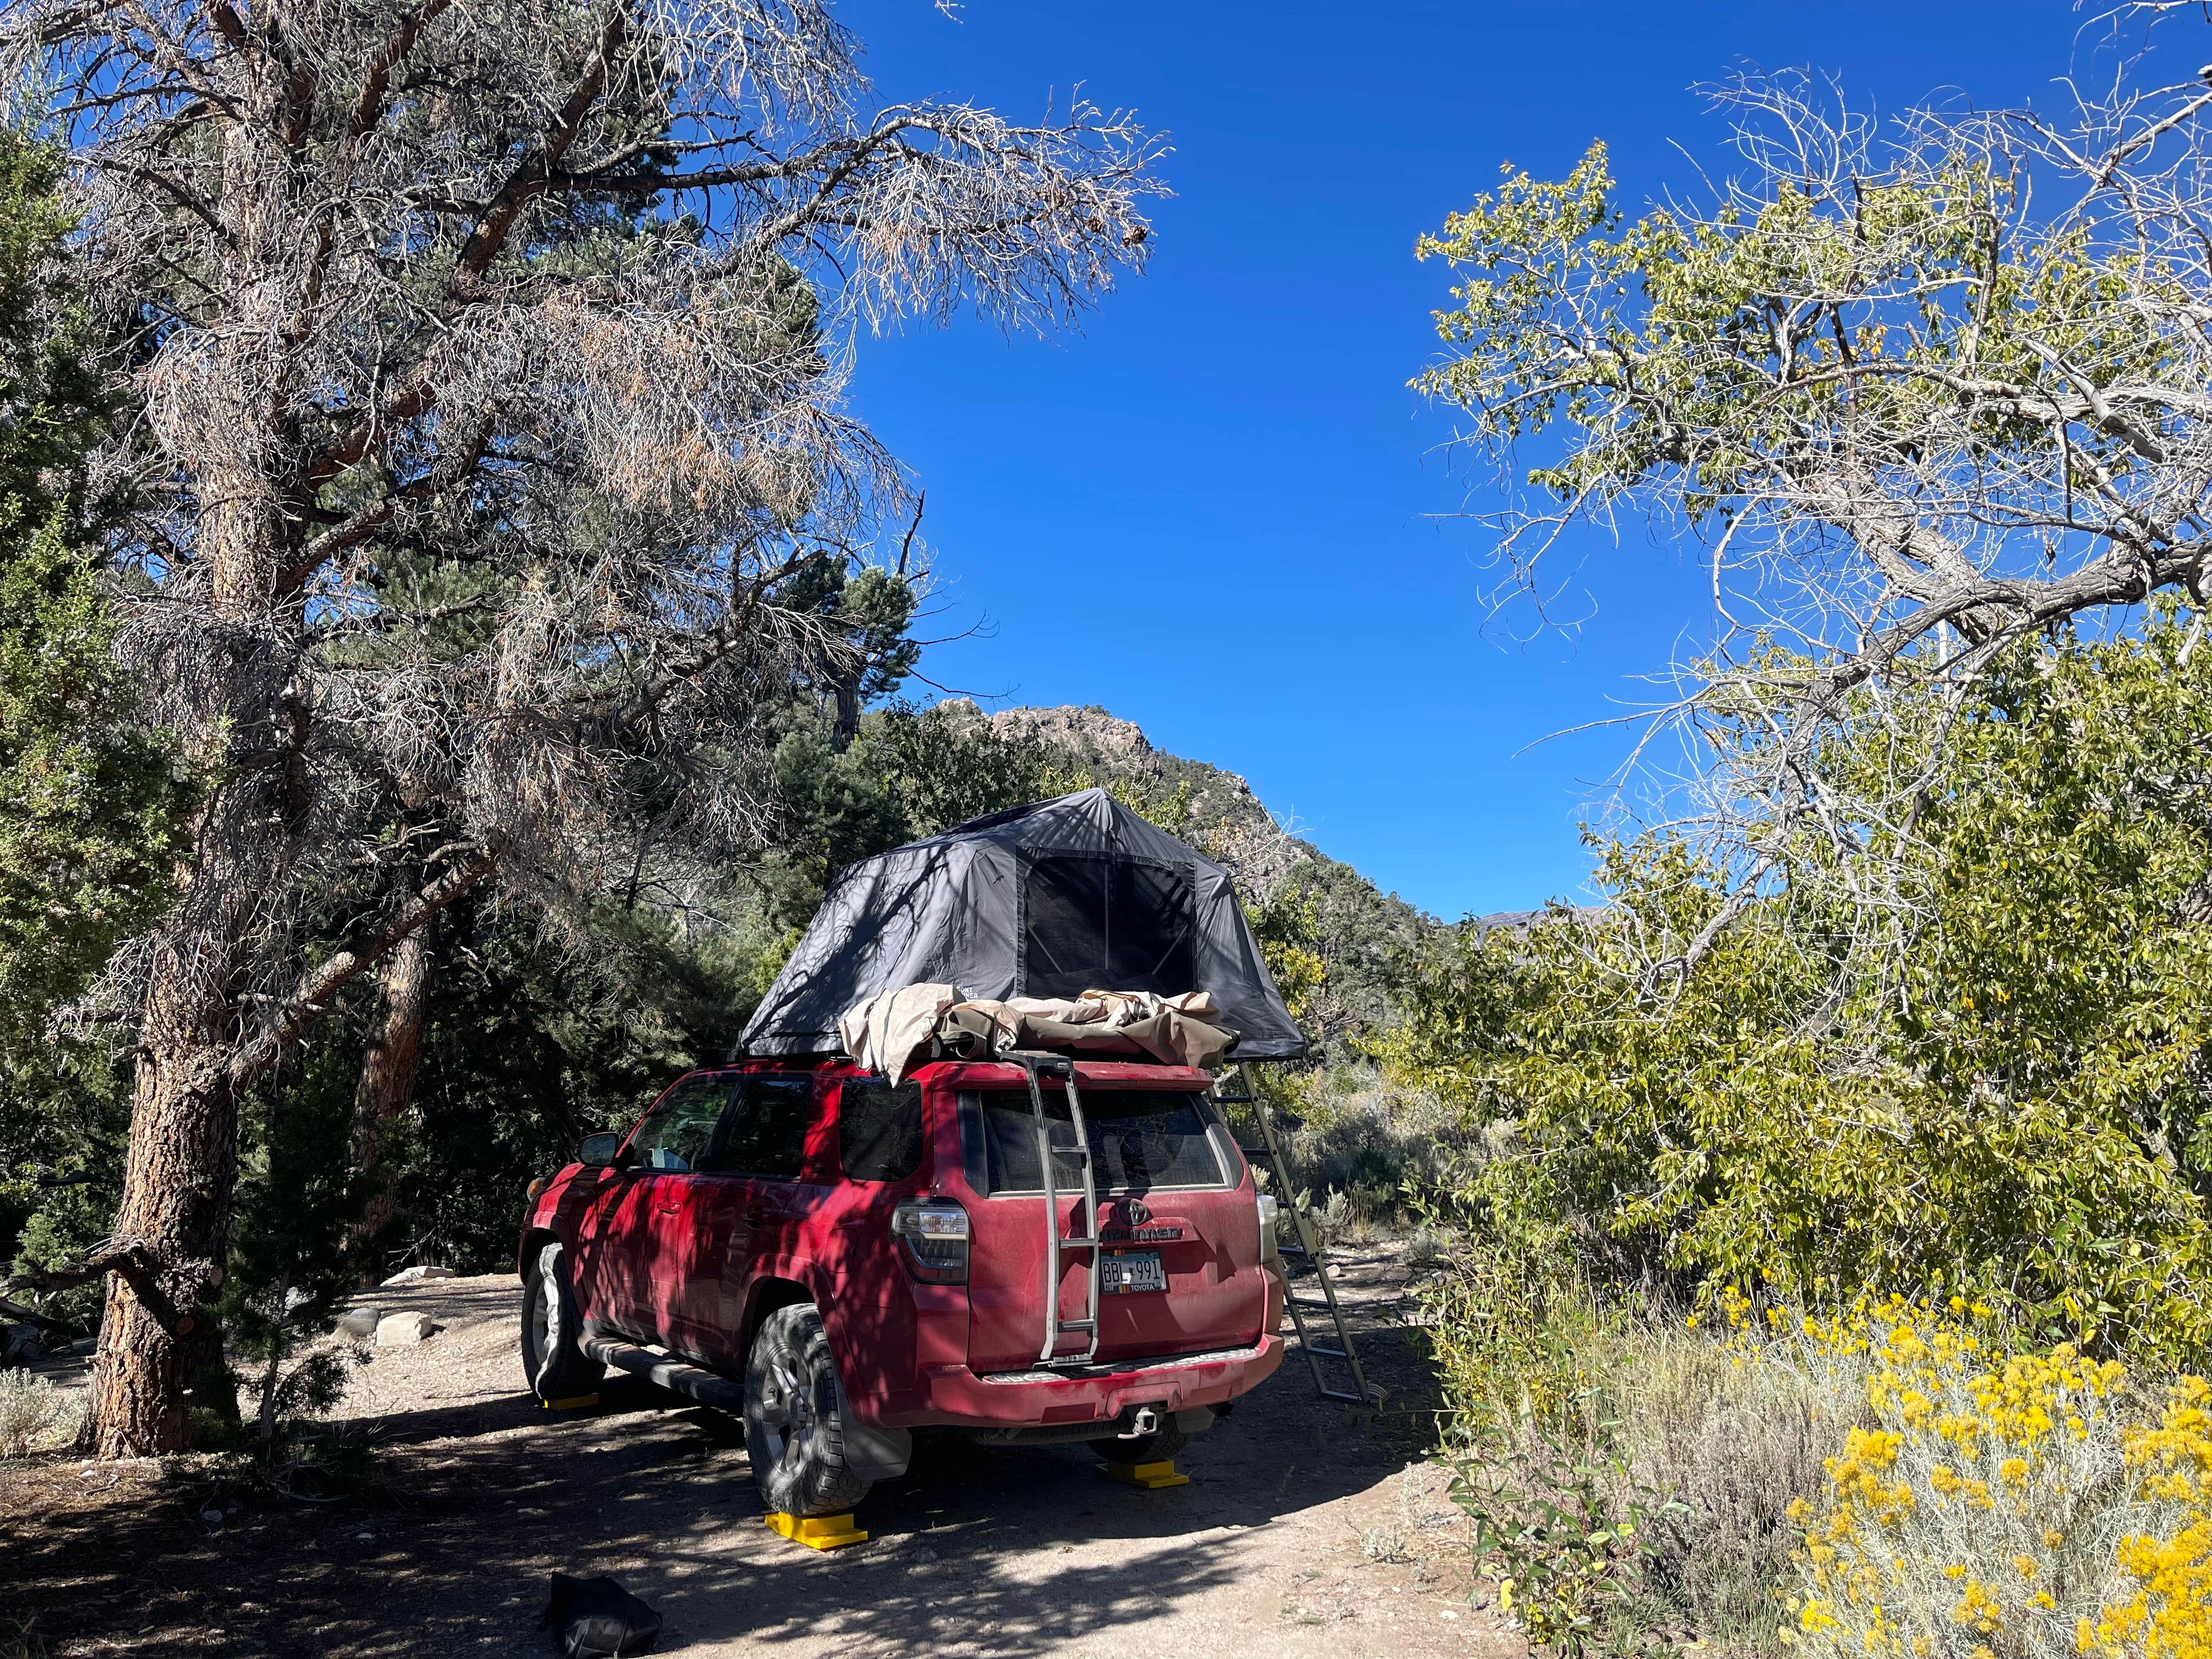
point(601, 1152)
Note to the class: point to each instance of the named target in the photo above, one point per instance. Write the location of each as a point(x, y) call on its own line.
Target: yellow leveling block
point(820, 1532)
point(1152, 1477)
point(575, 1402)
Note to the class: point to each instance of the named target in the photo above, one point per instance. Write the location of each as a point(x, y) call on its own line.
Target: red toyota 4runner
point(871, 1259)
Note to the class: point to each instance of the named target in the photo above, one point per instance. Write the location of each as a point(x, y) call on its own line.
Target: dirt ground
point(479, 1495)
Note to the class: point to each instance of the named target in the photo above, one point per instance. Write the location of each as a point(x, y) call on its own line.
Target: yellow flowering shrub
point(2168, 1568)
point(1996, 1506)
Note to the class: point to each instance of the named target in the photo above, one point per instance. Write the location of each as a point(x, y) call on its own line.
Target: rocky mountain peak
point(1359, 932)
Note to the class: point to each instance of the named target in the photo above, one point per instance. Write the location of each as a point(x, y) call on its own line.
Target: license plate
point(1126, 1271)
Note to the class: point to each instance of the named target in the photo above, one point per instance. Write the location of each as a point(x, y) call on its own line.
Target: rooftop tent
point(1052, 900)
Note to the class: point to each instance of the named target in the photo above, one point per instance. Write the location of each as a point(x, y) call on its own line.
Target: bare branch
point(310, 999)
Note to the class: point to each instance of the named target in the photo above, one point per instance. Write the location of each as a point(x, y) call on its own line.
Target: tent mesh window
point(1092, 923)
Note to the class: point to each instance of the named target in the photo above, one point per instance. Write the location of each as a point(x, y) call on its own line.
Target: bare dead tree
point(487, 362)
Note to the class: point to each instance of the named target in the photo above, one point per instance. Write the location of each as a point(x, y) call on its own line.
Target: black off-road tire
point(795, 1417)
point(553, 1357)
point(1160, 1446)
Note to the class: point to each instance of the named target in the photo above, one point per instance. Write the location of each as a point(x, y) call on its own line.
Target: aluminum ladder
point(1306, 1253)
point(1057, 1244)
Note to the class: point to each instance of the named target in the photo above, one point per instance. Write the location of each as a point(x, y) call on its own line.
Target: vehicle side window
point(677, 1133)
point(768, 1128)
point(878, 1129)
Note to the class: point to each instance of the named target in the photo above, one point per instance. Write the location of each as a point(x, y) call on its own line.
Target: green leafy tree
point(946, 768)
point(1288, 929)
point(1999, 1088)
point(1914, 411)
point(909, 773)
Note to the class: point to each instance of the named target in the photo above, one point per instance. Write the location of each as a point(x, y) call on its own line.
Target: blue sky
point(1212, 511)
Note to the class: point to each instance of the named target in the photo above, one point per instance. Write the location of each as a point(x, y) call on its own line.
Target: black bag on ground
point(598, 1619)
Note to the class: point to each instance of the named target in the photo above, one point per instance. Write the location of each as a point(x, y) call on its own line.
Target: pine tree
point(86, 799)
point(87, 804)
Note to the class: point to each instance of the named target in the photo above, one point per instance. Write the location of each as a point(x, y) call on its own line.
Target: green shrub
point(1355, 1133)
point(1992, 1082)
point(1563, 1525)
point(1507, 1305)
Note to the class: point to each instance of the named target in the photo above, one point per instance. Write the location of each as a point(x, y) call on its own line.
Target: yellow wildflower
point(1978, 1608)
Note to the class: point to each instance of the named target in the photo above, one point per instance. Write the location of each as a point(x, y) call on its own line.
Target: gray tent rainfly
point(1052, 900)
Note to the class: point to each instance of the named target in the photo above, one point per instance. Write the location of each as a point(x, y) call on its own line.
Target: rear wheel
point(1160, 1446)
point(553, 1355)
point(795, 1419)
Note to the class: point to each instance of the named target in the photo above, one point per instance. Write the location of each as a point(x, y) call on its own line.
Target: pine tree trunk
point(387, 1069)
point(161, 1344)
point(161, 1353)
point(161, 1347)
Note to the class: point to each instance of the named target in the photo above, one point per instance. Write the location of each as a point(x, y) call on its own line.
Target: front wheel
point(795, 1417)
point(553, 1355)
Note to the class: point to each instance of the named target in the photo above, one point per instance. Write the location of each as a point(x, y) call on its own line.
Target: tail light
point(932, 1235)
point(1268, 1211)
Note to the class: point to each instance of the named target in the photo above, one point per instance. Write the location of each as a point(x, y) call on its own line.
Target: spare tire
point(553, 1357)
point(795, 1417)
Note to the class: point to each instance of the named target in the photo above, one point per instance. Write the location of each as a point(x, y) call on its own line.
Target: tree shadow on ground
point(479, 1501)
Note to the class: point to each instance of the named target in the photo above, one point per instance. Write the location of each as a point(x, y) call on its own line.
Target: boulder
point(403, 1330)
point(417, 1275)
point(360, 1322)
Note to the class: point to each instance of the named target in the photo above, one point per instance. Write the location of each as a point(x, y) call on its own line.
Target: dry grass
point(34, 1414)
point(1732, 1444)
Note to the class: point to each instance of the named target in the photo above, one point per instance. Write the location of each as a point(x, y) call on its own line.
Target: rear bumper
point(953, 1394)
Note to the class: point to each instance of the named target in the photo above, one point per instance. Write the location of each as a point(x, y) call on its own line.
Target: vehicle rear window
point(1140, 1140)
point(878, 1129)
